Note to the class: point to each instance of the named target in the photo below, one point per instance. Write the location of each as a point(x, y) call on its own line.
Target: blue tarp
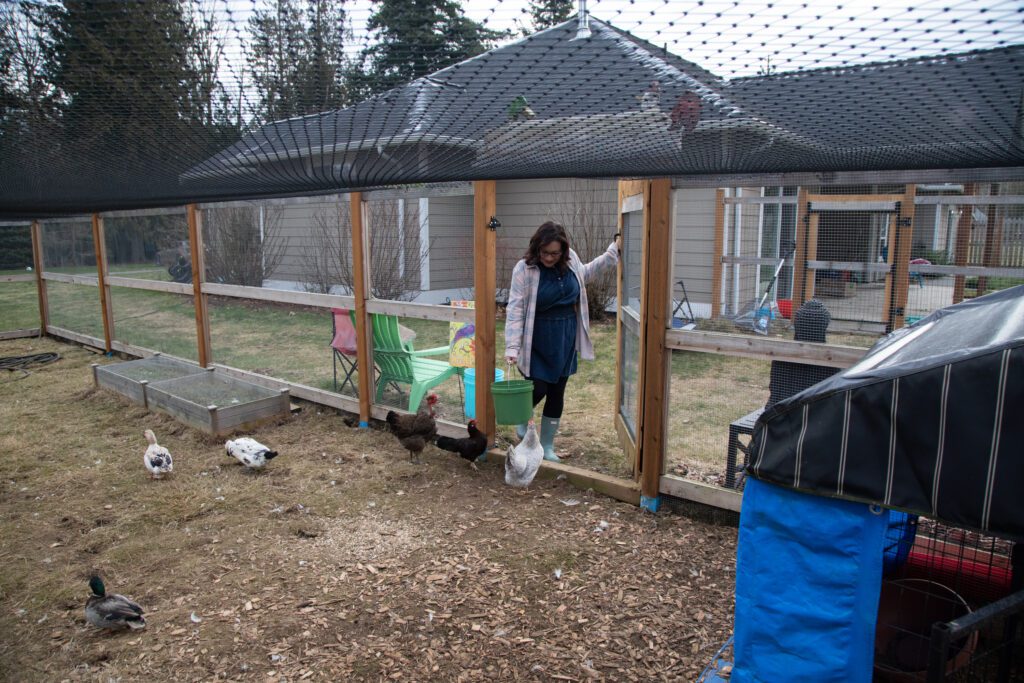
point(808, 577)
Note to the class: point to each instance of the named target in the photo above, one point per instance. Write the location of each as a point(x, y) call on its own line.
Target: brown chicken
point(468, 447)
point(686, 114)
point(414, 432)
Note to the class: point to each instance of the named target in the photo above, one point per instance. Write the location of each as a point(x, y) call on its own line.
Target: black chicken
point(414, 432)
point(468, 447)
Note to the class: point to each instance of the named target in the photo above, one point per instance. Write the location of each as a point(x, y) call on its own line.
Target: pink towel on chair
point(344, 333)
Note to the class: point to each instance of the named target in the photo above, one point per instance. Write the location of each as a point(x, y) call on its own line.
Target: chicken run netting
point(111, 105)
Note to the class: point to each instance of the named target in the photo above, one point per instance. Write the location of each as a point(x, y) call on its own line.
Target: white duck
point(157, 458)
point(249, 452)
point(523, 461)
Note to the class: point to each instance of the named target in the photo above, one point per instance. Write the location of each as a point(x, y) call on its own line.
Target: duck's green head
point(96, 586)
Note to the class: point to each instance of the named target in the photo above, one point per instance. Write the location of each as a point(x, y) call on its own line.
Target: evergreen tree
point(547, 13)
point(418, 37)
point(130, 97)
point(129, 61)
point(206, 51)
point(297, 58)
point(28, 117)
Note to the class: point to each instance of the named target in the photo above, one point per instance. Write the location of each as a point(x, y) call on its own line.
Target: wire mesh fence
point(736, 263)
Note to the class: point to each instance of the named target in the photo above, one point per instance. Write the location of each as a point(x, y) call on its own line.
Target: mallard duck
point(157, 458)
point(111, 611)
point(249, 452)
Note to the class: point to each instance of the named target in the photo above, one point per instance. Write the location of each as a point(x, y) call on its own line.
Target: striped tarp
point(930, 421)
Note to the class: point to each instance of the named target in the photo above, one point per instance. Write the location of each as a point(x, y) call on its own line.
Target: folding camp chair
point(684, 316)
point(343, 342)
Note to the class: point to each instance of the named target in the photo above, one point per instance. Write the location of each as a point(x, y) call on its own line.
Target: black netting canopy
point(579, 99)
point(929, 421)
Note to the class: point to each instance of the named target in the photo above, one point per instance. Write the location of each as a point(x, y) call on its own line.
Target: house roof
point(952, 111)
point(582, 91)
point(592, 118)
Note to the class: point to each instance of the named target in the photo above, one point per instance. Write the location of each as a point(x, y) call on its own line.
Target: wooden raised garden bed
point(130, 378)
point(217, 404)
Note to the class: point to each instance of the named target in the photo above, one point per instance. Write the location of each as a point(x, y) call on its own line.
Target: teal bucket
point(469, 379)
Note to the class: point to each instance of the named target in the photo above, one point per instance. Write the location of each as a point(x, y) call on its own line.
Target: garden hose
point(22, 363)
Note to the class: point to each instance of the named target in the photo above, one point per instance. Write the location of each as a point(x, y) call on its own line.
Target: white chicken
point(249, 452)
point(523, 460)
point(157, 458)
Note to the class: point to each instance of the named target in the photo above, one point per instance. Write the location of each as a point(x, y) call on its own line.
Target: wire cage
point(950, 607)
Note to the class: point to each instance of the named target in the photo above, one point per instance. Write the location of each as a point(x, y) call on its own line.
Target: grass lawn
point(341, 561)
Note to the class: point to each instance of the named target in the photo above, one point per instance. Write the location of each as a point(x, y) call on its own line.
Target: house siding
point(297, 226)
point(451, 242)
point(523, 205)
point(694, 244)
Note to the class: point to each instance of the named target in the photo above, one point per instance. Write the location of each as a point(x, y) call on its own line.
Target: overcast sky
point(732, 38)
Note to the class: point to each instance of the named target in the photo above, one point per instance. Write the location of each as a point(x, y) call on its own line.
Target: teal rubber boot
point(521, 431)
point(548, 429)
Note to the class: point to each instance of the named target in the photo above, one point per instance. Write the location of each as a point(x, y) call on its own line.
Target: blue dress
point(554, 332)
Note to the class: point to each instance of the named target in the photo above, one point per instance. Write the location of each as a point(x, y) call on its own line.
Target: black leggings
point(555, 393)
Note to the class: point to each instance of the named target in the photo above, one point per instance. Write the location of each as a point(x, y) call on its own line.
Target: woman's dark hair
point(546, 234)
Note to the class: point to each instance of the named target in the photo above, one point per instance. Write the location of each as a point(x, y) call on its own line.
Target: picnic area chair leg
point(681, 302)
point(343, 347)
point(348, 366)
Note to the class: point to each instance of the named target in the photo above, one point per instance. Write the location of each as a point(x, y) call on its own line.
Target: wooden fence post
point(100, 249)
point(484, 269)
point(37, 263)
point(364, 325)
point(653, 391)
point(801, 255)
point(962, 245)
point(195, 242)
point(992, 254)
point(899, 261)
point(716, 264)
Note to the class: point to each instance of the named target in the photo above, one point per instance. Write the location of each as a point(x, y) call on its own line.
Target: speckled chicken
point(157, 458)
point(249, 452)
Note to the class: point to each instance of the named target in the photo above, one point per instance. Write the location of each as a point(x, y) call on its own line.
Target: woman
point(546, 321)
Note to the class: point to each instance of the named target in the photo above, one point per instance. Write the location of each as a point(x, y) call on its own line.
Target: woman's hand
point(618, 242)
point(510, 360)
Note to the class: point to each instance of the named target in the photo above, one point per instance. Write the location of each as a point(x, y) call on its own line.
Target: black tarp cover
point(930, 421)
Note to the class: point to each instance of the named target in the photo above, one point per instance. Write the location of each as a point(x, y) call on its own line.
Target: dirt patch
point(341, 561)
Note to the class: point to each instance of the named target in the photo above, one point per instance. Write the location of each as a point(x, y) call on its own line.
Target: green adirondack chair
point(399, 362)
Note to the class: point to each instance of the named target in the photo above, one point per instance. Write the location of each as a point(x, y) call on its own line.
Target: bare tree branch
point(235, 250)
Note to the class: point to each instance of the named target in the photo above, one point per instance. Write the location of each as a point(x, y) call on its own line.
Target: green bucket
point(513, 401)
